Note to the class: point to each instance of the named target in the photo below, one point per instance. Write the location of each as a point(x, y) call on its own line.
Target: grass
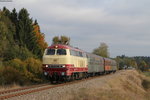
point(146, 84)
point(99, 94)
point(129, 87)
point(146, 74)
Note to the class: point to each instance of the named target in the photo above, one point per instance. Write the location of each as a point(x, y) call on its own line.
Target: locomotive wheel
point(52, 81)
point(114, 71)
point(67, 79)
point(72, 77)
point(87, 76)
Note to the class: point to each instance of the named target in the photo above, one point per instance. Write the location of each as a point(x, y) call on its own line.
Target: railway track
point(27, 90)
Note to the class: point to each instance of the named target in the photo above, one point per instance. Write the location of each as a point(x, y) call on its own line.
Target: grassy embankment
point(146, 84)
point(132, 85)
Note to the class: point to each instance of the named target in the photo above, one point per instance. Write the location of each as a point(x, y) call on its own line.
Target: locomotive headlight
point(63, 66)
point(45, 73)
point(63, 73)
point(46, 66)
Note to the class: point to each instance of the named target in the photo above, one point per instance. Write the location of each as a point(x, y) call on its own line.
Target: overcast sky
point(124, 25)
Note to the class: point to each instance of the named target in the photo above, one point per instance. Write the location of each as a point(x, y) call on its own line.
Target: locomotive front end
point(56, 62)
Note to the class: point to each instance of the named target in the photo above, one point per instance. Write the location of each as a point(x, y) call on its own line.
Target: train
point(66, 63)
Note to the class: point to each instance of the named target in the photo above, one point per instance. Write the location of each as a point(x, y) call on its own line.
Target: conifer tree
point(6, 12)
point(25, 30)
point(14, 16)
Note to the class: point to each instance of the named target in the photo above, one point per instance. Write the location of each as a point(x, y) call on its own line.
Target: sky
point(124, 25)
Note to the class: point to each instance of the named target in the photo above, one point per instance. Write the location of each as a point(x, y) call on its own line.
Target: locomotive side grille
point(55, 66)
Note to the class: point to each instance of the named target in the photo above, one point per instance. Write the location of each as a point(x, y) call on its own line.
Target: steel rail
point(40, 89)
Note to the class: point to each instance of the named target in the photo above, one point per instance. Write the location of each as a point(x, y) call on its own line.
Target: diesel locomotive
point(65, 63)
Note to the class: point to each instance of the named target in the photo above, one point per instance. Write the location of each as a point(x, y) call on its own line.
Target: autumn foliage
point(21, 48)
point(40, 37)
point(21, 72)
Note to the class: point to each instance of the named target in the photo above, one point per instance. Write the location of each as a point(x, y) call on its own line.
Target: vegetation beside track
point(131, 85)
point(21, 48)
point(21, 72)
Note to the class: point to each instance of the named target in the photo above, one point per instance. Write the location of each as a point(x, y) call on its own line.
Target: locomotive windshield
point(50, 52)
point(61, 52)
point(58, 52)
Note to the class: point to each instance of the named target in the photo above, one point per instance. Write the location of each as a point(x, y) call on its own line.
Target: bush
point(21, 72)
point(17, 64)
point(9, 75)
point(34, 70)
point(34, 66)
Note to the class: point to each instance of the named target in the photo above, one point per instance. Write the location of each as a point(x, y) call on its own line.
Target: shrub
point(17, 64)
point(21, 72)
point(9, 75)
point(34, 70)
point(34, 66)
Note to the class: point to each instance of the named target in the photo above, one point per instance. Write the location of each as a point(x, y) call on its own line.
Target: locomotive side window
point(80, 54)
point(50, 52)
point(84, 54)
point(61, 52)
point(72, 53)
point(77, 53)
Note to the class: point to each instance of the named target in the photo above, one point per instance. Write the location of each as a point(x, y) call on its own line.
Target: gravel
point(61, 93)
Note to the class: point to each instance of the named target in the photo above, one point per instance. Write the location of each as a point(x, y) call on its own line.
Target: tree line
point(21, 47)
point(20, 36)
point(123, 62)
point(139, 62)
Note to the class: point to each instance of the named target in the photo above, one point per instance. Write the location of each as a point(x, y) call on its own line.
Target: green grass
point(146, 73)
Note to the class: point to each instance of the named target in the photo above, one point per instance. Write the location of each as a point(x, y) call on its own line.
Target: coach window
point(61, 52)
point(50, 52)
point(80, 54)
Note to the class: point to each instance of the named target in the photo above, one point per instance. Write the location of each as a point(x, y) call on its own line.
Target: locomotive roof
point(65, 47)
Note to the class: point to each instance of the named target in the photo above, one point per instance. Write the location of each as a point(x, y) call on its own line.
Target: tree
point(7, 31)
point(40, 39)
point(56, 40)
point(133, 63)
point(25, 29)
point(14, 16)
point(19, 36)
point(62, 40)
point(102, 50)
point(142, 65)
point(3, 38)
point(6, 12)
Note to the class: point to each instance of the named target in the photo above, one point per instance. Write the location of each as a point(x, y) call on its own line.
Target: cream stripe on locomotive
point(68, 58)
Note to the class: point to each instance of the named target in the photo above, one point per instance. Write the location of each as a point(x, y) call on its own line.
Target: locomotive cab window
point(61, 52)
point(50, 52)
